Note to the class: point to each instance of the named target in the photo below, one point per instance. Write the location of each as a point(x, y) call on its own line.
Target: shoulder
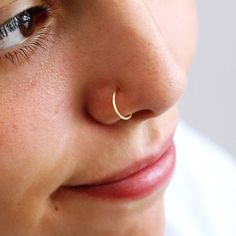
point(200, 197)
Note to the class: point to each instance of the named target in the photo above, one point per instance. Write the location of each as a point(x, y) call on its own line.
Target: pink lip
point(138, 181)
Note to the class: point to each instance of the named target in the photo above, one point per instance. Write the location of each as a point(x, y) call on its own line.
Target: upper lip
point(134, 167)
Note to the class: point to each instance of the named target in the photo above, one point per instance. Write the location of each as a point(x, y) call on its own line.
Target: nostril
point(143, 115)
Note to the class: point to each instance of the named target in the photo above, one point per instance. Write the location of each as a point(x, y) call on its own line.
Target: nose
point(131, 56)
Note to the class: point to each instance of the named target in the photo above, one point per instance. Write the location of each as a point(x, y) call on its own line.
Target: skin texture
point(57, 124)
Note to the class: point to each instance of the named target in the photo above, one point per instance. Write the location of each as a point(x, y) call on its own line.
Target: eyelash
point(38, 38)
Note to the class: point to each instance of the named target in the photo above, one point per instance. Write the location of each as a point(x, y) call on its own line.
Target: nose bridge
point(132, 56)
point(123, 29)
point(128, 25)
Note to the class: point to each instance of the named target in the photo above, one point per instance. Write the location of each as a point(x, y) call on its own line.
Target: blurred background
point(210, 101)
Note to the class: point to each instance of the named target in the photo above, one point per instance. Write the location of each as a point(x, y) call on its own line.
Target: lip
point(137, 181)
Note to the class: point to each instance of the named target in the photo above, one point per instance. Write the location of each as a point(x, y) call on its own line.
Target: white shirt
point(201, 197)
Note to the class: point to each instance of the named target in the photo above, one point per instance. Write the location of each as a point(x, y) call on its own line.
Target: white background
point(210, 101)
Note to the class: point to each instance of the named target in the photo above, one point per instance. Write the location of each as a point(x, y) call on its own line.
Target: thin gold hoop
point(116, 110)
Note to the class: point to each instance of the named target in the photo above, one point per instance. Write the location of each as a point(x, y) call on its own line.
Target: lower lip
point(138, 185)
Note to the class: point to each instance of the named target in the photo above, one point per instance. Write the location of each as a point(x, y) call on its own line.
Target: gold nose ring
point(116, 109)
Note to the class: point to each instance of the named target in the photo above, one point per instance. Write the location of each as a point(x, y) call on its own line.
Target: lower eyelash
point(23, 53)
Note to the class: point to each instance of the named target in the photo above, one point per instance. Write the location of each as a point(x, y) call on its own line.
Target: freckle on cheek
point(14, 127)
point(56, 208)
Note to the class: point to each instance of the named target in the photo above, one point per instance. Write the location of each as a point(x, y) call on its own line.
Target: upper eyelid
point(9, 11)
point(6, 2)
point(11, 25)
point(14, 19)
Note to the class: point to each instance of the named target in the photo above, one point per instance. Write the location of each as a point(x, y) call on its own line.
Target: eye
point(22, 26)
point(26, 32)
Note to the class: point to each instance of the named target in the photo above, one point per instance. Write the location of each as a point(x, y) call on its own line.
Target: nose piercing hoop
point(116, 110)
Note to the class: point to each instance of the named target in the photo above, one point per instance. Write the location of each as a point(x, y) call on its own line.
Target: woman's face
point(59, 66)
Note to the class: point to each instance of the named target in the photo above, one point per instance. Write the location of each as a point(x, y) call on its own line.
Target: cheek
point(31, 128)
point(33, 125)
point(177, 21)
